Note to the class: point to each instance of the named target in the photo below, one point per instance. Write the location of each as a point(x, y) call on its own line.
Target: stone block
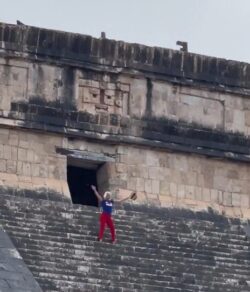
point(125, 122)
point(38, 182)
point(104, 119)
point(23, 178)
point(22, 154)
point(233, 174)
point(247, 118)
point(166, 201)
point(238, 120)
point(1, 151)
point(157, 173)
point(236, 200)
point(244, 200)
point(191, 177)
point(190, 192)
point(164, 160)
point(180, 163)
point(124, 87)
point(155, 186)
point(13, 139)
point(123, 158)
point(132, 183)
point(136, 156)
point(19, 167)
point(13, 153)
point(198, 193)
point(228, 116)
point(4, 138)
point(24, 143)
point(173, 189)
point(30, 155)
point(26, 169)
point(181, 191)
point(110, 168)
point(11, 166)
point(43, 170)
point(7, 152)
point(152, 159)
point(237, 186)
point(227, 199)
point(200, 180)
point(206, 195)
point(4, 131)
point(8, 177)
point(148, 186)
point(3, 165)
point(164, 187)
point(137, 171)
point(140, 185)
point(35, 169)
point(214, 196)
point(245, 213)
point(37, 158)
point(52, 169)
point(121, 167)
point(121, 149)
point(220, 197)
point(54, 184)
point(111, 86)
point(221, 183)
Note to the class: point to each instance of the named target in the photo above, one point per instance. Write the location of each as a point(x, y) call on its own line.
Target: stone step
point(172, 225)
point(54, 236)
point(35, 241)
point(199, 255)
point(65, 227)
point(157, 250)
point(75, 261)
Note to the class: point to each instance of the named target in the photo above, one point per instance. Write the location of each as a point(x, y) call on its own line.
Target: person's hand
point(133, 196)
point(93, 187)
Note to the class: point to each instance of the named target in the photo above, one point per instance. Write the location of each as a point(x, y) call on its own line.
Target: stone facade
point(178, 135)
point(121, 94)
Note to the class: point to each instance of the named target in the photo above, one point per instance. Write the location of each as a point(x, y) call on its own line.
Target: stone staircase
point(158, 249)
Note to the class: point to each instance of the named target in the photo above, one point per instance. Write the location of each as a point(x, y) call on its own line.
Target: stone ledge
point(164, 134)
point(105, 53)
point(29, 190)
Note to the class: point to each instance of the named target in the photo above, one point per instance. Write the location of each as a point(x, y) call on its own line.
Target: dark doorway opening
point(79, 181)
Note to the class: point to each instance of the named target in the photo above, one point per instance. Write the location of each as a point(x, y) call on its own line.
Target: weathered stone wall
point(123, 95)
point(163, 178)
point(176, 125)
point(29, 161)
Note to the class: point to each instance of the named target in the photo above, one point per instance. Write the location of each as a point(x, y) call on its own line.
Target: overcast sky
point(211, 27)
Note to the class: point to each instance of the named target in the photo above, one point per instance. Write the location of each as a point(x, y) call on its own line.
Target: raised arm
point(127, 198)
point(99, 197)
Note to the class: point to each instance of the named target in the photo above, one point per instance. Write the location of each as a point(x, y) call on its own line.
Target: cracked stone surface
point(158, 249)
point(14, 274)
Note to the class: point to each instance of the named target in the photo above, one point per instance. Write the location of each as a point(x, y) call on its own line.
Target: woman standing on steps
point(107, 204)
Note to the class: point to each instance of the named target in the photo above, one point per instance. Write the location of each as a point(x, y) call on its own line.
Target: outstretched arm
point(127, 198)
point(99, 197)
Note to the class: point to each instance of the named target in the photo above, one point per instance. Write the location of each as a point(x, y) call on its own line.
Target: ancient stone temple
point(171, 125)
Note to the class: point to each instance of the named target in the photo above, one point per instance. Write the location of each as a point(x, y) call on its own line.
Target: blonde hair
point(107, 195)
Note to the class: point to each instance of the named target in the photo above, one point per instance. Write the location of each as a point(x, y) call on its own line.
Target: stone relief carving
point(103, 96)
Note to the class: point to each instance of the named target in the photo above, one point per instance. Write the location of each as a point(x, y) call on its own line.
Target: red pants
point(106, 219)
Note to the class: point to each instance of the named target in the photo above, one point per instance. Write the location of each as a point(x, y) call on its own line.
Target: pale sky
point(212, 27)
